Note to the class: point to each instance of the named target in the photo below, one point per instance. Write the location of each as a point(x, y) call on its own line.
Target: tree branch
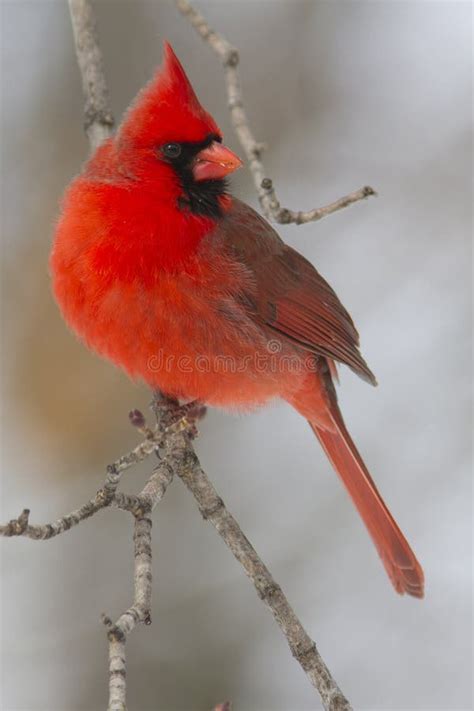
point(269, 202)
point(175, 427)
point(140, 610)
point(98, 117)
point(106, 496)
point(187, 466)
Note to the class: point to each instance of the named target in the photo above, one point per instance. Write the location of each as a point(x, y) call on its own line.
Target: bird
point(158, 268)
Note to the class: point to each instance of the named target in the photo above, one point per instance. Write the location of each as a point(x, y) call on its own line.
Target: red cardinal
point(159, 269)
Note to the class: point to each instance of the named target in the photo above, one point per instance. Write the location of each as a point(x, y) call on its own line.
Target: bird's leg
point(194, 410)
point(170, 412)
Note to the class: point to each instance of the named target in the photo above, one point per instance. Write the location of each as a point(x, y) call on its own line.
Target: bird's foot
point(171, 414)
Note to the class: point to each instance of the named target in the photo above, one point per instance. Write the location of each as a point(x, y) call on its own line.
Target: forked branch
point(253, 149)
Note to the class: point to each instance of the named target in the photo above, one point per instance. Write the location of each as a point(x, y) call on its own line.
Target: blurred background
point(345, 94)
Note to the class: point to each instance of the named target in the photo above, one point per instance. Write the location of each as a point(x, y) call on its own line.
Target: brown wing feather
point(290, 297)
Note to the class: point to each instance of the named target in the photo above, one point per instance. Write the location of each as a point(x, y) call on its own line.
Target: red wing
point(289, 296)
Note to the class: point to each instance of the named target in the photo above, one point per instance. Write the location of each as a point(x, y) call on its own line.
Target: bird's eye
point(172, 150)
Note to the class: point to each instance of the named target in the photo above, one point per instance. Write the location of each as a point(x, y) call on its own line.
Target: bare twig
point(21, 527)
point(140, 610)
point(106, 496)
point(187, 466)
point(141, 506)
point(178, 457)
point(98, 117)
point(269, 202)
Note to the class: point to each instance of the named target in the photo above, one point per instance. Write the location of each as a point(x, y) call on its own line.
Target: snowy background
point(345, 94)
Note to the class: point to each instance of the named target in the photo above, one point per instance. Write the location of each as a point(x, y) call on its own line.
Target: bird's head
point(171, 145)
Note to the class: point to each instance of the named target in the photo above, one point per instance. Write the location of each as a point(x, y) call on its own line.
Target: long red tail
point(398, 558)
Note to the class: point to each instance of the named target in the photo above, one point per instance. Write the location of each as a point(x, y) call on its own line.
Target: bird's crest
point(167, 109)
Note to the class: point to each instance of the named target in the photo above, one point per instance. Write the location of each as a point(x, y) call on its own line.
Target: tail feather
point(399, 560)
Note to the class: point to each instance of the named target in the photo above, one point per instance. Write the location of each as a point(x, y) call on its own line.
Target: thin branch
point(141, 506)
point(21, 527)
point(106, 496)
point(98, 117)
point(186, 465)
point(140, 610)
point(253, 149)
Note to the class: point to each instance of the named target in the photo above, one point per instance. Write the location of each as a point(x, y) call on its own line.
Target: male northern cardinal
point(159, 269)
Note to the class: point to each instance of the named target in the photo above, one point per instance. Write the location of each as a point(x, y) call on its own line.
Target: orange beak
point(215, 161)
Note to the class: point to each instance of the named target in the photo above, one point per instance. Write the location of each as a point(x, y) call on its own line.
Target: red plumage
point(158, 269)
